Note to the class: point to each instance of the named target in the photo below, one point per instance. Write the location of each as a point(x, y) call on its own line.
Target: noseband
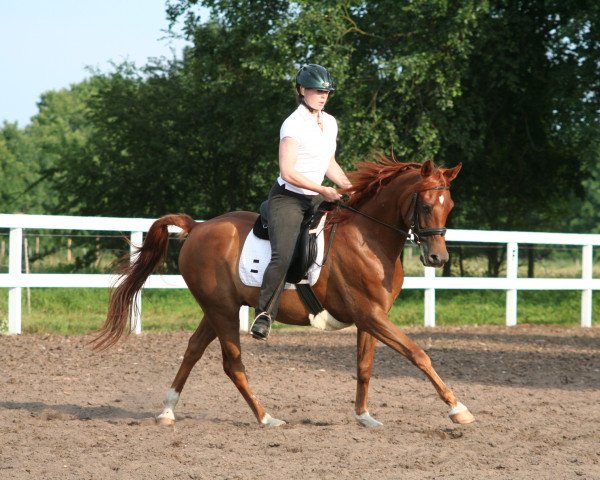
point(415, 233)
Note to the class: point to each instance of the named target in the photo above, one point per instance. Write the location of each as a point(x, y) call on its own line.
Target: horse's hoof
point(366, 420)
point(269, 421)
point(460, 414)
point(164, 421)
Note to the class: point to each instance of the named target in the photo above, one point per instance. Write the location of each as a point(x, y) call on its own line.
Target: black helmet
point(315, 76)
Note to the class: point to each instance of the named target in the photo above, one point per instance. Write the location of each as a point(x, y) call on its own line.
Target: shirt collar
point(306, 113)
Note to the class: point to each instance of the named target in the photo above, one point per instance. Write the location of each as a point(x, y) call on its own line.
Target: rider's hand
point(330, 194)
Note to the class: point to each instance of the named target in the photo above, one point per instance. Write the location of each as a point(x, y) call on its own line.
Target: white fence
point(15, 279)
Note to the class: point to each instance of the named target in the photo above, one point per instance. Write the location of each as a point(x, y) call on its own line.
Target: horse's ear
point(451, 173)
point(427, 168)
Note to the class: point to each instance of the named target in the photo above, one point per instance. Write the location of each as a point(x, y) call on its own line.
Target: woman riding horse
point(358, 284)
point(306, 155)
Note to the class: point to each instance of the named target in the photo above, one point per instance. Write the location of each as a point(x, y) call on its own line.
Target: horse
point(358, 284)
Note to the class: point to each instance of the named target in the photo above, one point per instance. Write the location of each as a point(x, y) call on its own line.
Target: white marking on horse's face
point(441, 197)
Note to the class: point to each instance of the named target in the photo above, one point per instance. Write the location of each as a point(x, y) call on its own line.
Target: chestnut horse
point(357, 285)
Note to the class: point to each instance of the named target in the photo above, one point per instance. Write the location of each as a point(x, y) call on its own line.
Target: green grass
point(478, 307)
point(69, 311)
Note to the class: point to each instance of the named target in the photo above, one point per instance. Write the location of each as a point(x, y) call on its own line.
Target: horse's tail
point(133, 271)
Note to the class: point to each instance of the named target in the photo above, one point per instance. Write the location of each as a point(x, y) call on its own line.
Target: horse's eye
point(427, 209)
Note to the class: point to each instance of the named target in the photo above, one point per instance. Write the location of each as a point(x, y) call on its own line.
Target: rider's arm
point(288, 154)
point(337, 175)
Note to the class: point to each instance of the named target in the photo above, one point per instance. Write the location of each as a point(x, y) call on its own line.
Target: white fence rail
point(15, 279)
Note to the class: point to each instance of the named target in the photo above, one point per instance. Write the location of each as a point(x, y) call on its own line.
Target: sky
point(47, 45)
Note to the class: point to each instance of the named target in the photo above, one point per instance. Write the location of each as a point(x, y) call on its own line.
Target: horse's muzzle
point(434, 261)
point(433, 257)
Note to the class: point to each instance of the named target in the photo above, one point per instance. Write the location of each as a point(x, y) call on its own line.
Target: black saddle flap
point(305, 255)
point(261, 228)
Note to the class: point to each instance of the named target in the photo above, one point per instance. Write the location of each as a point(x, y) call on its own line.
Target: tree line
point(507, 87)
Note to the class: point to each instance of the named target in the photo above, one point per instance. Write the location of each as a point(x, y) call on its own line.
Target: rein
point(392, 227)
point(415, 233)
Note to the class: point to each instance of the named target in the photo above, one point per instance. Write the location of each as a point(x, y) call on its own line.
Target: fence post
point(512, 268)
point(586, 295)
point(429, 299)
point(15, 268)
point(137, 238)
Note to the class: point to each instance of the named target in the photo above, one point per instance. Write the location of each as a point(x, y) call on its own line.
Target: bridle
point(415, 229)
point(415, 232)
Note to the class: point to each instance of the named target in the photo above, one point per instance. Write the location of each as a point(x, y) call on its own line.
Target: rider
point(306, 155)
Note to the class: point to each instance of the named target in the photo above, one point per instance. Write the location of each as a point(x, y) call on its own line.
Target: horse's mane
point(370, 176)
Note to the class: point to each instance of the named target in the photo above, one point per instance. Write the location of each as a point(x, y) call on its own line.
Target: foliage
point(132, 165)
point(527, 122)
point(200, 134)
point(589, 218)
point(34, 159)
point(60, 133)
point(507, 87)
point(397, 65)
point(18, 172)
point(168, 140)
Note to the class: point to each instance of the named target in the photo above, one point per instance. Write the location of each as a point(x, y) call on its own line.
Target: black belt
point(280, 189)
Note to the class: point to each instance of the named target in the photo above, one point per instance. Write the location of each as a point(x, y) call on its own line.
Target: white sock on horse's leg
point(460, 414)
point(269, 421)
point(366, 420)
point(325, 321)
point(168, 414)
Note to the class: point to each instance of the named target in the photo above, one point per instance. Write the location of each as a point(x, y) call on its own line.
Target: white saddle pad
point(256, 255)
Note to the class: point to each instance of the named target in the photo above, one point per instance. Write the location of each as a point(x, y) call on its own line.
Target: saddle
point(305, 251)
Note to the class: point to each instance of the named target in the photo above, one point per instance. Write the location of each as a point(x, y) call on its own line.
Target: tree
point(450, 80)
point(128, 168)
point(588, 219)
point(398, 65)
point(525, 123)
point(201, 134)
point(59, 135)
point(166, 140)
point(19, 192)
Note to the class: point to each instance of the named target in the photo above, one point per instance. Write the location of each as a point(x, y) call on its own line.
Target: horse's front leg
point(364, 366)
point(379, 325)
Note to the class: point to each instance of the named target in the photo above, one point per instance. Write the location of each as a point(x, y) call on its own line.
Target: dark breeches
point(286, 212)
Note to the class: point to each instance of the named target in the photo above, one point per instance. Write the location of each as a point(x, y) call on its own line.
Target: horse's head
point(419, 195)
point(429, 208)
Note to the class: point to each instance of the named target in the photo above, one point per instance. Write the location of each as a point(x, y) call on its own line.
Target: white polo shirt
point(315, 147)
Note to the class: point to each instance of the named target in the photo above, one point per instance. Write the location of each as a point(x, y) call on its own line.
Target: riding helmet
point(315, 76)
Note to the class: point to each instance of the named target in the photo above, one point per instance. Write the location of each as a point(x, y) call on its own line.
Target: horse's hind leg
point(197, 344)
point(364, 367)
point(235, 370)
